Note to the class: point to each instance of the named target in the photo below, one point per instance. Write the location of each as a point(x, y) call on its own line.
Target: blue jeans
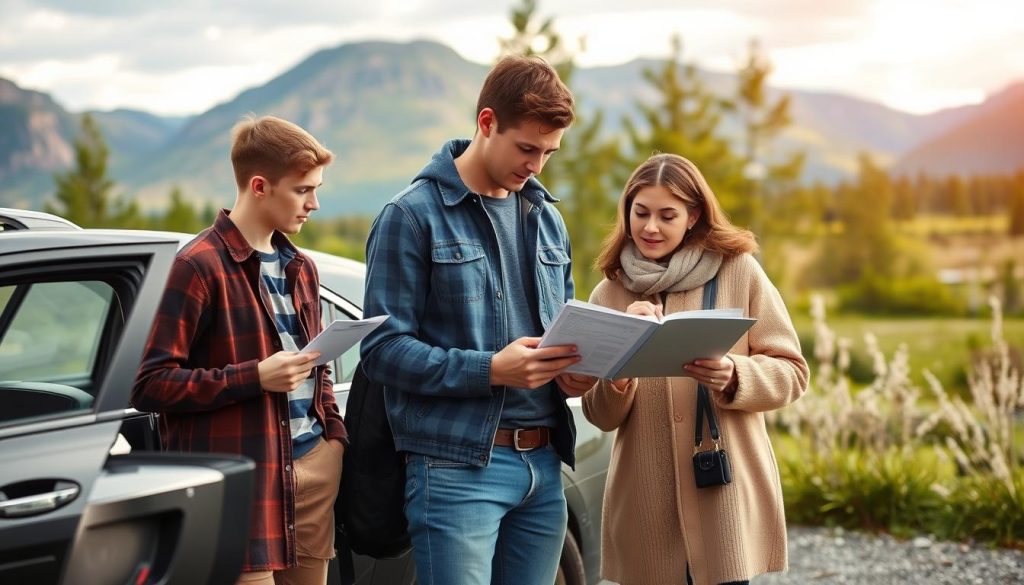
point(500, 524)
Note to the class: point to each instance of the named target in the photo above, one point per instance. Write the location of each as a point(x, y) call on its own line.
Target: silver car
point(85, 492)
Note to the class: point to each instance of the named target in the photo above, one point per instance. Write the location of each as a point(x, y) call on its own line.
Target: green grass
point(943, 346)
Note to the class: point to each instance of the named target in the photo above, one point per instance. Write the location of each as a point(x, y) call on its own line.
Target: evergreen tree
point(84, 191)
point(685, 121)
point(903, 204)
point(865, 246)
point(1016, 207)
point(181, 215)
point(763, 119)
point(959, 197)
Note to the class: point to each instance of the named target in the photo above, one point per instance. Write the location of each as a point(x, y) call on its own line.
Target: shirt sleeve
point(397, 281)
point(165, 383)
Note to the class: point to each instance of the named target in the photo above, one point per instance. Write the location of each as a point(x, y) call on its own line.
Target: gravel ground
point(820, 555)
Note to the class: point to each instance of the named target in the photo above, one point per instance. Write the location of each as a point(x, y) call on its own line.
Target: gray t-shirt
point(523, 407)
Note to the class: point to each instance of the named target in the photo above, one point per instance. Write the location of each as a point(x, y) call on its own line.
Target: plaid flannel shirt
point(199, 371)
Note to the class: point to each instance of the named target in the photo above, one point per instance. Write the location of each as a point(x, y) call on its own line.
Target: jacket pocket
point(553, 262)
point(460, 271)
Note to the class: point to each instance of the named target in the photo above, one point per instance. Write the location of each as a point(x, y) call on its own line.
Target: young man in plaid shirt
point(222, 367)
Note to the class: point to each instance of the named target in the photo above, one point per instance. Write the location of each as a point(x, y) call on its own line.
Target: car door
point(75, 312)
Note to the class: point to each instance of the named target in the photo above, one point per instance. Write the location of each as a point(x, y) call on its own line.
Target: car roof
point(341, 275)
point(23, 219)
point(24, 241)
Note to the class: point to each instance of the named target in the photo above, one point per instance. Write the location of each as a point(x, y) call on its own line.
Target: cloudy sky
point(185, 56)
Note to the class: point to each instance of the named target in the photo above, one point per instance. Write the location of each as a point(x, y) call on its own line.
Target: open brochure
point(340, 336)
point(616, 345)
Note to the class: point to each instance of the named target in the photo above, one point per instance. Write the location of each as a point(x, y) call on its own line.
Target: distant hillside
point(991, 141)
point(831, 128)
point(385, 107)
point(33, 141)
point(131, 133)
point(37, 137)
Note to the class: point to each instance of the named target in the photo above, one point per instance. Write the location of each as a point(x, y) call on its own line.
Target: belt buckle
point(515, 441)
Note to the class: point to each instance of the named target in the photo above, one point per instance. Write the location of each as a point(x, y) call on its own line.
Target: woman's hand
point(621, 384)
point(717, 375)
point(575, 384)
point(645, 308)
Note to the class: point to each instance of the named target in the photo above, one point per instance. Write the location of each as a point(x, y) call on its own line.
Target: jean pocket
point(439, 463)
point(460, 271)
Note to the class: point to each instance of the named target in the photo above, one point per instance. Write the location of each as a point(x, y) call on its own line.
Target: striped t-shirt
point(306, 430)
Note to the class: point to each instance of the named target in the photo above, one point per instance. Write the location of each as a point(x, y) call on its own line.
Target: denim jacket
point(433, 266)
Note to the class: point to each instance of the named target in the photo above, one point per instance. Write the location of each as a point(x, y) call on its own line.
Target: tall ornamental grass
point(890, 456)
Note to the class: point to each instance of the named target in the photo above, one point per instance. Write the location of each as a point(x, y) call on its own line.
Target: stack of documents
point(616, 345)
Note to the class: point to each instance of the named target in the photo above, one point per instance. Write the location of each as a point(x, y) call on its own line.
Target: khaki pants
point(317, 476)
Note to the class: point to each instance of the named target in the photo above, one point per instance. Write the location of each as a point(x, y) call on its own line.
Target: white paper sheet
point(340, 336)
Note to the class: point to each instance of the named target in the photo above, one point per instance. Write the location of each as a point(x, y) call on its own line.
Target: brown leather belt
point(523, 439)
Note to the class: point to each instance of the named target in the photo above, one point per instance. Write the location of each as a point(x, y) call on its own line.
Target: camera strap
point(704, 406)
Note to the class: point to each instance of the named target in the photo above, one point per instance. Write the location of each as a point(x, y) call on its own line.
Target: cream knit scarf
point(688, 268)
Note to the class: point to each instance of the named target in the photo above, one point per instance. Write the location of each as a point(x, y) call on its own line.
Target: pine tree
point(181, 215)
point(866, 244)
point(1016, 207)
point(763, 119)
point(84, 191)
point(685, 121)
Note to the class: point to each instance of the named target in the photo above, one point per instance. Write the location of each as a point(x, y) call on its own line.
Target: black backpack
point(370, 510)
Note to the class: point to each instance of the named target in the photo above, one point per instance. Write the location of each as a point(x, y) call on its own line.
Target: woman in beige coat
point(670, 239)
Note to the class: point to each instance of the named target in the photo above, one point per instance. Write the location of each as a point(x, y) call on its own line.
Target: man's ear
point(486, 122)
point(259, 186)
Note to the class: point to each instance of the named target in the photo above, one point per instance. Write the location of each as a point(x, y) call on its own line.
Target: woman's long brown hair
point(712, 231)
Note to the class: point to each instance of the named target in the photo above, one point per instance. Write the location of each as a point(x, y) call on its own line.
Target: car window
point(344, 367)
point(50, 337)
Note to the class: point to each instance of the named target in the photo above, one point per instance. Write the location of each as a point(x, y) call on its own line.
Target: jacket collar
point(238, 247)
point(442, 170)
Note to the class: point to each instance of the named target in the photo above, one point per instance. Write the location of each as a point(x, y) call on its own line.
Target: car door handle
point(37, 503)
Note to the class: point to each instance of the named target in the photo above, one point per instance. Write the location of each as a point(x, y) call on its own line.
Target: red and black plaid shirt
point(199, 372)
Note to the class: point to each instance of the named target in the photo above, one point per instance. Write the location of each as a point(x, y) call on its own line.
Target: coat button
point(458, 255)
point(499, 294)
point(287, 467)
point(284, 422)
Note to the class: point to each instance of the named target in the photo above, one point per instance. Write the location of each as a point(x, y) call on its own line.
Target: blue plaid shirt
point(432, 264)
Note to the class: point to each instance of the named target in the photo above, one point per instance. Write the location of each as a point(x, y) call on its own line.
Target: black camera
point(711, 468)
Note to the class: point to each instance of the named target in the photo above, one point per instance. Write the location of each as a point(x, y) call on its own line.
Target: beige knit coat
point(655, 520)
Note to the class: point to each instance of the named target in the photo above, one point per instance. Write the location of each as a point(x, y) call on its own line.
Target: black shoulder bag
point(710, 468)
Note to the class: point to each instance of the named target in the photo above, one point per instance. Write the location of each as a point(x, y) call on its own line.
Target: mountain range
point(385, 107)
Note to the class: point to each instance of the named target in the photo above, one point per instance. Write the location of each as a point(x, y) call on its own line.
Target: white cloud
point(185, 57)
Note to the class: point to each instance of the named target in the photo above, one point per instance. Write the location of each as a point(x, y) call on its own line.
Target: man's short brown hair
point(273, 148)
point(526, 88)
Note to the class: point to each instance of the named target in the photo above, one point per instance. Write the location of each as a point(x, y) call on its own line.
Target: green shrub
point(916, 295)
point(861, 489)
point(987, 509)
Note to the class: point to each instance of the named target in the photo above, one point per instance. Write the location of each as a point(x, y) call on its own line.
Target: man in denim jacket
point(471, 262)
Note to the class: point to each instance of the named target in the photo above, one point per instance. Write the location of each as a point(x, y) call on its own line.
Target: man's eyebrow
point(534, 146)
